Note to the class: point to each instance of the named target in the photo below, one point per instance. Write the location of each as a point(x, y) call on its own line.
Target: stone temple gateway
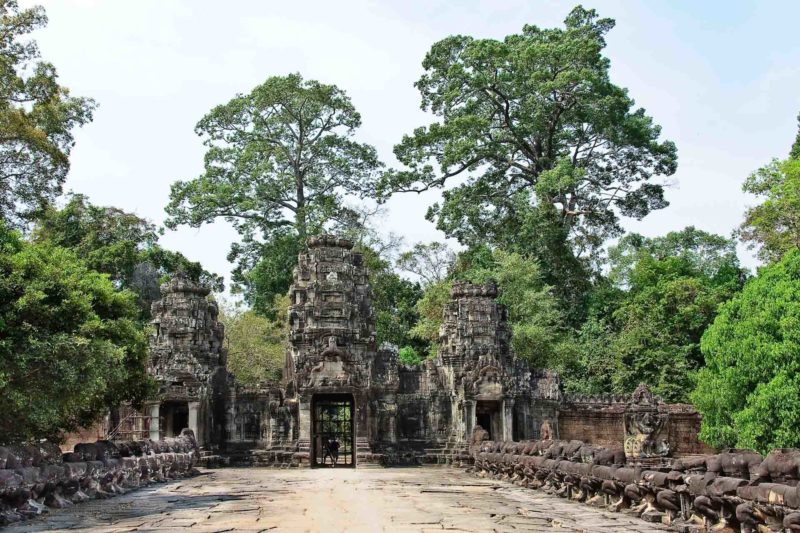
point(345, 401)
point(338, 384)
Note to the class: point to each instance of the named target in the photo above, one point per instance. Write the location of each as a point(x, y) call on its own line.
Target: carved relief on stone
point(545, 431)
point(187, 346)
point(645, 427)
point(489, 383)
point(479, 435)
point(332, 329)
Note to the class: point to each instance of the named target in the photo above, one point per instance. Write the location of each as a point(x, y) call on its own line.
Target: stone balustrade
point(732, 491)
point(34, 478)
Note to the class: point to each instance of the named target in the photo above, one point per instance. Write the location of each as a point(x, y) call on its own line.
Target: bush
point(70, 345)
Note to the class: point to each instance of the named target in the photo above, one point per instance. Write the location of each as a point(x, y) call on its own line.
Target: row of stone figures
point(732, 491)
point(34, 478)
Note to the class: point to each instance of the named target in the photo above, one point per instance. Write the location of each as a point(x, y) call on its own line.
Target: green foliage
point(271, 275)
point(589, 363)
point(748, 390)
point(279, 163)
point(537, 323)
point(675, 284)
point(70, 344)
point(409, 356)
point(394, 301)
point(37, 117)
point(532, 119)
point(537, 233)
point(773, 226)
point(120, 244)
point(429, 308)
point(256, 344)
point(795, 151)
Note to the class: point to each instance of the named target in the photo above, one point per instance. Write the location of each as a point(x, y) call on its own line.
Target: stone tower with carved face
point(332, 330)
point(331, 346)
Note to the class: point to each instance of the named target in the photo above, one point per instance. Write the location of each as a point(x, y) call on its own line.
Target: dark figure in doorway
point(332, 451)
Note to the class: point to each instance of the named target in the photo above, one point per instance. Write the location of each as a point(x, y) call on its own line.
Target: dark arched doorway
point(332, 431)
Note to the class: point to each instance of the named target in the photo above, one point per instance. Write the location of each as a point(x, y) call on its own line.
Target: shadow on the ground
point(141, 503)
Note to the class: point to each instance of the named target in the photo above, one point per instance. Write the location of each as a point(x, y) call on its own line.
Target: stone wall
point(600, 420)
point(600, 425)
point(34, 478)
point(736, 490)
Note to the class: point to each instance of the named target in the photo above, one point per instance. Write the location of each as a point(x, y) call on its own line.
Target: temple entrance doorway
point(174, 417)
point(488, 416)
point(332, 431)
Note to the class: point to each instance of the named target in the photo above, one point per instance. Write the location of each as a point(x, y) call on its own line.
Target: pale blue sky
point(722, 78)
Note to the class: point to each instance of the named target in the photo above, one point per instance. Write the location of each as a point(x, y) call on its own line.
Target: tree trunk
point(300, 214)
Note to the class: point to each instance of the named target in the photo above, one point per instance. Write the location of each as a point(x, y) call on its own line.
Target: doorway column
point(194, 408)
point(507, 418)
point(469, 418)
point(155, 433)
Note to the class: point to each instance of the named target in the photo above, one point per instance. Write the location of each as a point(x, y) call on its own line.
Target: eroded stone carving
point(645, 435)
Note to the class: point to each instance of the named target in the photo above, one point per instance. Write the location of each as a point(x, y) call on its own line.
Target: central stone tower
point(331, 348)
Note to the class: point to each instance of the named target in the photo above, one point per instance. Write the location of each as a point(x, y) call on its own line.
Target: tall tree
point(71, 345)
point(120, 244)
point(529, 121)
point(773, 227)
point(592, 365)
point(749, 390)
point(394, 302)
point(429, 308)
point(37, 117)
point(280, 162)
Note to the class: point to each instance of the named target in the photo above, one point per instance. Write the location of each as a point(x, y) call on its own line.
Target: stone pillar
point(194, 408)
point(304, 426)
point(230, 422)
point(469, 417)
point(155, 433)
point(507, 419)
point(391, 408)
point(393, 425)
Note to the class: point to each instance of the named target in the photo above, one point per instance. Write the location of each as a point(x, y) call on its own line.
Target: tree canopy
point(256, 345)
point(749, 390)
point(120, 244)
point(430, 262)
point(675, 284)
point(37, 118)
point(71, 345)
point(533, 118)
point(280, 163)
point(773, 227)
